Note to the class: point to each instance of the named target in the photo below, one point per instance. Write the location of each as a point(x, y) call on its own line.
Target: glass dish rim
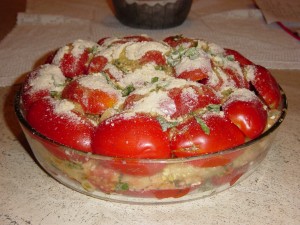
point(280, 119)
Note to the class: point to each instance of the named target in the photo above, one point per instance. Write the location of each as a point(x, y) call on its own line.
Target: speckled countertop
point(28, 195)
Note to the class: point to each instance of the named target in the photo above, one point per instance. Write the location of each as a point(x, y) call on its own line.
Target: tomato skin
point(267, 87)
point(72, 66)
point(159, 194)
point(153, 56)
point(138, 136)
point(93, 101)
point(218, 160)
point(249, 116)
point(231, 176)
point(131, 99)
point(177, 40)
point(240, 81)
point(191, 139)
point(187, 102)
point(238, 57)
point(29, 98)
point(61, 153)
point(193, 75)
point(171, 193)
point(134, 166)
point(30, 93)
point(97, 64)
point(74, 133)
point(102, 40)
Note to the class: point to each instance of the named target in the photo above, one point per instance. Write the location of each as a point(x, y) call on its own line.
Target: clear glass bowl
point(168, 180)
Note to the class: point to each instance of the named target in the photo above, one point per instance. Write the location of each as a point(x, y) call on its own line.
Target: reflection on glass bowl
point(167, 181)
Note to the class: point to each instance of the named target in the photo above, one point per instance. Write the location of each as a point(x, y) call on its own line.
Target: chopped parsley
point(192, 53)
point(121, 186)
point(214, 108)
point(55, 94)
point(165, 125)
point(93, 50)
point(159, 67)
point(154, 80)
point(106, 77)
point(176, 55)
point(127, 90)
point(203, 125)
point(230, 57)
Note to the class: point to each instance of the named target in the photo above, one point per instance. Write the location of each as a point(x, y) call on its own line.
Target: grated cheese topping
point(50, 77)
point(125, 75)
point(135, 51)
point(156, 103)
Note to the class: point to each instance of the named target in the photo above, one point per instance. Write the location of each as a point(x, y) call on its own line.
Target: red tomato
point(176, 40)
point(159, 194)
point(214, 81)
point(62, 154)
point(128, 139)
point(218, 160)
point(171, 193)
point(231, 176)
point(102, 177)
point(138, 136)
point(72, 66)
point(190, 98)
point(131, 99)
point(153, 56)
point(93, 101)
point(249, 115)
point(97, 64)
point(134, 166)
point(238, 57)
point(240, 81)
point(28, 96)
point(212, 133)
point(68, 129)
point(102, 40)
point(267, 87)
point(193, 75)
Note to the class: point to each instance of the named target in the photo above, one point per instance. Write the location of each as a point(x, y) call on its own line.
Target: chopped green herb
point(192, 53)
point(165, 125)
point(55, 94)
point(203, 125)
point(154, 79)
point(74, 165)
point(230, 57)
point(121, 186)
point(175, 56)
point(93, 50)
point(159, 67)
point(214, 107)
point(177, 37)
point(127, 90)
point(106, 76)
point(227, 92)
